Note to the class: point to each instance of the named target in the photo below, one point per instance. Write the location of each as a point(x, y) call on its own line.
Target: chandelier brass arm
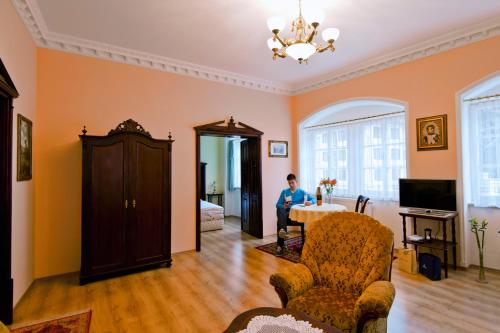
point(328, 47)
point(277, 54)
point(313, 33)
point(278, 38)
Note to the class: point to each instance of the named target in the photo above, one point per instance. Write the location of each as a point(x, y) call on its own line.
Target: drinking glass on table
point(306, 203)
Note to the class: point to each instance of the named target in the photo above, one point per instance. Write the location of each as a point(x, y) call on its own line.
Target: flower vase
point(329, 198)
point(482, 276)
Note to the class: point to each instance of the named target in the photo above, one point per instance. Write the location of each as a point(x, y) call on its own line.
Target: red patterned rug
point(71, 323)
point(292, 253)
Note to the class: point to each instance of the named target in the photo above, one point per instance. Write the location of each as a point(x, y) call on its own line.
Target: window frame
point(345, 105)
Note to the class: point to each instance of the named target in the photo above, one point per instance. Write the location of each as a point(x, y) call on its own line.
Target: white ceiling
point(231, 35)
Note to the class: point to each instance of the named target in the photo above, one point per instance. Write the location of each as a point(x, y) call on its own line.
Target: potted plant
point(477, 228)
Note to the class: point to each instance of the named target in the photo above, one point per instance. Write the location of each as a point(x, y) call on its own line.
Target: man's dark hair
point(291, 177)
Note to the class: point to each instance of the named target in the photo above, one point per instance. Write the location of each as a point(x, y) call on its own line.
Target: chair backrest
point(348, 251)
point(361, 204)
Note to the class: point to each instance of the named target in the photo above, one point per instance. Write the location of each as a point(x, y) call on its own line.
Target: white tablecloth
point(306, 214)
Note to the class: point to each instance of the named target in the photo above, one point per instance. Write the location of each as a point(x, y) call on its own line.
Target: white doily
point(282, 324)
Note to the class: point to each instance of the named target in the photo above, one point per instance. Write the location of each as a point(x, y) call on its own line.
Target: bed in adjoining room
point(211, 215)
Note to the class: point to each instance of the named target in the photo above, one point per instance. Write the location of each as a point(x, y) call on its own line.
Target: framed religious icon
point(432, 133)
point(24, 148)
point(278, 148)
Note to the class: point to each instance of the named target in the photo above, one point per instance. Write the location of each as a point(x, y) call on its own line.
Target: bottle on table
point(319, 197)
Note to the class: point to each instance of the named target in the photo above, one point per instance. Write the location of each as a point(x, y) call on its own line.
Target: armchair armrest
point(375, 302)
point(292, 282)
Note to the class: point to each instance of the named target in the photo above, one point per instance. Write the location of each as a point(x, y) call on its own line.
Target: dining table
point(306, 214)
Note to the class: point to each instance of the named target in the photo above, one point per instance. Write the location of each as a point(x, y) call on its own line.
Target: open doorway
point(220, 182)
point(7, 93)
point(228, 178)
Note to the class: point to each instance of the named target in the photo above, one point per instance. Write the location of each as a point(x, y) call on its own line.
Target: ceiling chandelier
point(305, 27)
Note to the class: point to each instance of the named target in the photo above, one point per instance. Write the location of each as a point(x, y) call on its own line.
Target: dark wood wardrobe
point(126, 202)
point(7, 93)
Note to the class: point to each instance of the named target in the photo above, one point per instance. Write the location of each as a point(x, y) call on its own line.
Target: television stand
point(444, 244)
point(427, 212)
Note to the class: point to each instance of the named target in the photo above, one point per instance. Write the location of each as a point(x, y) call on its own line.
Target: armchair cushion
point(376, 300)
point(327, 305)
point(3, 328)
point(294, 280)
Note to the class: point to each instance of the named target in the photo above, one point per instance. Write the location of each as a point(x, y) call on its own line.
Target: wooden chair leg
point(302, 232)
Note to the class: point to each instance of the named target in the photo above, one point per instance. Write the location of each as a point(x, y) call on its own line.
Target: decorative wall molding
point(33, 19)
point(443, 43)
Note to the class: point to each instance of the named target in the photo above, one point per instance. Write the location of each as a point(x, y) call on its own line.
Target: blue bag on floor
point(430, 266)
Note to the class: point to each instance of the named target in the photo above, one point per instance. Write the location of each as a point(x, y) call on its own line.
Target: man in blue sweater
point(289, 197)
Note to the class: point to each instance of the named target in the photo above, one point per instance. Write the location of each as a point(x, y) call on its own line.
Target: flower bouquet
point(328, 184)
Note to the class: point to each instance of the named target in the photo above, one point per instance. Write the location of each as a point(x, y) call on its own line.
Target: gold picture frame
point(278, 148)
point(24, 148)
point(432, 133)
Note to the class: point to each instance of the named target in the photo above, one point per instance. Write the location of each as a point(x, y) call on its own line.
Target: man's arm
point(281, 200)
point(311, 198)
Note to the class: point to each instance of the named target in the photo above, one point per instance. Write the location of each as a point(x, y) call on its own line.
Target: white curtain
point(232, 197)
point(234, 164)
point(365, 156)
point(484, 154)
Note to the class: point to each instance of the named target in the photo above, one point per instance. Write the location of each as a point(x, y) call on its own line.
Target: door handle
point(133, 203)
point(126, 203)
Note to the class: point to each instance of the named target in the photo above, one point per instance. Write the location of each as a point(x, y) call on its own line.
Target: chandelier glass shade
point(302, 45)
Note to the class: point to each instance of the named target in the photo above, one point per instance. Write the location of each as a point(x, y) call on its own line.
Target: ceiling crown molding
point(462, 37)
point(33, 19)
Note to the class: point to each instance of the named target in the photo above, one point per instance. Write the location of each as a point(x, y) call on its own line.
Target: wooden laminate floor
point(203, 292)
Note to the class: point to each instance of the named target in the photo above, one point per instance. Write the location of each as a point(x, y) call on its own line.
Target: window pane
point(484, 154)
point(366, 157)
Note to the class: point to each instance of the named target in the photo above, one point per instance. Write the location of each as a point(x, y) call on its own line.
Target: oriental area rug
point(292, 252)
point(78, 322)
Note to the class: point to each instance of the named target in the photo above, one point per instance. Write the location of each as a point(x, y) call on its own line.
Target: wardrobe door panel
point(106, 219)
point(148, 237)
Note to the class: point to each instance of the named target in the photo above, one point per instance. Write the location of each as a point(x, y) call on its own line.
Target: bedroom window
point(233, 164)
point(365, 152)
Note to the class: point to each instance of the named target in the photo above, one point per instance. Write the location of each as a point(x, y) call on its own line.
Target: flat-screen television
point(431, 194)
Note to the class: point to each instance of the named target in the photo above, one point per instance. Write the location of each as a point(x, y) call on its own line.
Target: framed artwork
point(278, 148)
point(432, 133)
point(24, 148)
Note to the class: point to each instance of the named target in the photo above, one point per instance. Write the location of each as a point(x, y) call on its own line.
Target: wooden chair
point(297, 224)
point(361, 204)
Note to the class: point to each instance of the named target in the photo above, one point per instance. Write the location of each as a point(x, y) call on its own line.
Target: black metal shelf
point(434, 244)
point(442, 245)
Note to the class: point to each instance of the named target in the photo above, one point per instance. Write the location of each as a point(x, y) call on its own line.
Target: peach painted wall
point(18, 53)
point(75, 90)
point(429, 86)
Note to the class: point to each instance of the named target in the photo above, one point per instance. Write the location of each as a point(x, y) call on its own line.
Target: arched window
point(361, 143)
point(480, 119)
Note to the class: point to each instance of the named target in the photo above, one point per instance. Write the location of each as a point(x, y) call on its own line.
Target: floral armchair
point(343, 277)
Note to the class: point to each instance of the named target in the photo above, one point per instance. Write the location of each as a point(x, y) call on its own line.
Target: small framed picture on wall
point(432, 133)
point(278, 148)
point(24, 148)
